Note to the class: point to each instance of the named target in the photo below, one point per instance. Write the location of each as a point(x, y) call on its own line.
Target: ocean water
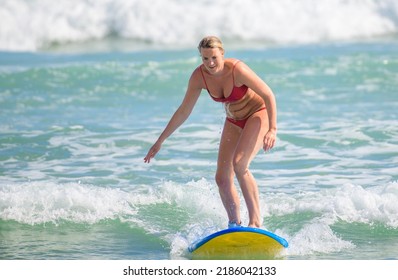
point(87, 86)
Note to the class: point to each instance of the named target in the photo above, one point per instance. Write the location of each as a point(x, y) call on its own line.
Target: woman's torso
point(240, 101)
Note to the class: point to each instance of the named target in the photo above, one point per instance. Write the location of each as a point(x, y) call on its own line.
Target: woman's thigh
point(228, 142)
point(250, 140)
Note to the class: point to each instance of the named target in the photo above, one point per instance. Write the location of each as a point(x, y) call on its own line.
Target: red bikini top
point(237, 92)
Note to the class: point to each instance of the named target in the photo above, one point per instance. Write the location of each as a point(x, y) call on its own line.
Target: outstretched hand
point(152, 152)
point(269, 140)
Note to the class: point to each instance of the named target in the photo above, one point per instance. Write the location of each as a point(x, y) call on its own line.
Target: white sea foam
point(350, 203)
point(31, 25)
point(43, 202)
point(48, 202)
point(316, 237)
point(37, 202)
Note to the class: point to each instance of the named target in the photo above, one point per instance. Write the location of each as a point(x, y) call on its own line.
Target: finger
point(151, 154)
point(148, 157)
point(265, 146)
point(268, 143)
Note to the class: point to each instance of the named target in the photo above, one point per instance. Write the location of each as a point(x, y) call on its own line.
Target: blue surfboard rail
point(277, 238)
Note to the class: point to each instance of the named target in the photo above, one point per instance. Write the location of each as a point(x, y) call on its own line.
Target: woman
point(250, 124)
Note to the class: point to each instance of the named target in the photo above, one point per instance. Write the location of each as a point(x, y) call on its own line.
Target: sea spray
point(31, 26)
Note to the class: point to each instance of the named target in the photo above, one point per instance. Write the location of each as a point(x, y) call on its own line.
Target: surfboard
point(239, 243)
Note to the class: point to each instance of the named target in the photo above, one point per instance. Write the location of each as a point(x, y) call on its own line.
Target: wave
point(33, 25)
point(42, 202)
point(307, 219)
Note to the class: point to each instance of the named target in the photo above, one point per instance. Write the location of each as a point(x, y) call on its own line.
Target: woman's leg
point(249, 144)
point(225, 171)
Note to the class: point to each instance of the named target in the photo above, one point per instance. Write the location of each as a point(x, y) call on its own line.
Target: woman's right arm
point(181, 114)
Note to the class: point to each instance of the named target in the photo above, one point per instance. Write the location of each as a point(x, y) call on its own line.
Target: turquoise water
point(75, 128)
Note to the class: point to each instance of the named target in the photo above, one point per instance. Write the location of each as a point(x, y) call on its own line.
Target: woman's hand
point(269, 140)
point(152, 152)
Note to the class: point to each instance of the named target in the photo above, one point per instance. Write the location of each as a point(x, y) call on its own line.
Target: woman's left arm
point(245, 75)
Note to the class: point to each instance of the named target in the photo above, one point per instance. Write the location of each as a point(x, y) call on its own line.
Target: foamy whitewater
point(31, 25)
point(87, 86)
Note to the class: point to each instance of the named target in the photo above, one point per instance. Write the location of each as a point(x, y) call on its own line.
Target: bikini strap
point(233, 68)
point(203, 76)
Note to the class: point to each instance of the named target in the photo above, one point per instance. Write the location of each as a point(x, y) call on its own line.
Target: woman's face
point(213, 59)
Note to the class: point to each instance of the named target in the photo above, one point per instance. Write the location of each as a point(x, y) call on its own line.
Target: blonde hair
point(210, 42)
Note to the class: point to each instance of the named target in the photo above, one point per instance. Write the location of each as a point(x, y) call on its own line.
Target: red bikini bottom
point(241, 123)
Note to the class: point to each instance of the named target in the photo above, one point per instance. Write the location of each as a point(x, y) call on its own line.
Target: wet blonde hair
point(210, 42)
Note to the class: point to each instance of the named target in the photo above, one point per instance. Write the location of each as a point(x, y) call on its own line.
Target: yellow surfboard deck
point(239, 243)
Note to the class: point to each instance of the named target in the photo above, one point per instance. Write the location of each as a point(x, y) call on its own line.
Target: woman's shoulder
point(231, 61)
point(196, 79)
point(235, 64)
point(197, 72)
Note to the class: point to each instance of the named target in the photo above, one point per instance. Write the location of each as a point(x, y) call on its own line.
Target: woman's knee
point(223, 179)
point(240, 167)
